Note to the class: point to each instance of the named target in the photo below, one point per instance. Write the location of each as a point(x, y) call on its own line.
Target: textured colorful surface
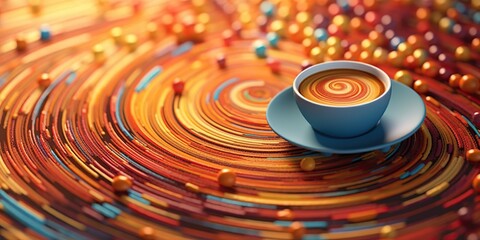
point(107, 108)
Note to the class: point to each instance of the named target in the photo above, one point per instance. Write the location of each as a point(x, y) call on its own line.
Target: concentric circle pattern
point(169, 93)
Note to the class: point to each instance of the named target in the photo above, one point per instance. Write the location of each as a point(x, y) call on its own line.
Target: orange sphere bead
point(121, 183)
point(420, 56)
point(377, 38)
point(380, 55)
point(420, 86)
point(297, 230)
point(44, 80)
point(454, 80)
point(462, 53)
point(147, 233)
point(469, 83)
point(473, 155)
point(476, 45)
point(430, 68)
point(307, 164)
point(404, 77)
point(476, 183)
point(395, 59)
point(285, 214)
point(227, 177)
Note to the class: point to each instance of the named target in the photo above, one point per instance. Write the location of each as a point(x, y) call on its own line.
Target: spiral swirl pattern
point(341, 87)
point(112, 110)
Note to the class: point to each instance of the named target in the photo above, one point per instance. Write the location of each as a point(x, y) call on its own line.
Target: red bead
point(178, 86)
point(476, 119)
point(274, 65)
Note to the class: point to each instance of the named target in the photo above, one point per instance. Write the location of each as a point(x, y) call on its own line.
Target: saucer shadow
point(366, 140)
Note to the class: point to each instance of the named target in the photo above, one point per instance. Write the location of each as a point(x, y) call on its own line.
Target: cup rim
point(340, 64)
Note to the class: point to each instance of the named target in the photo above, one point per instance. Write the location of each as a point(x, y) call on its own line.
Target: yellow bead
point(307, 164)
point(98, 53)
point(404, 49)
point(302, 18)
point(387, 232)
point(116, 34)
point(342, 21)
point(131, 40)
point(368, 45)
point(334, 41)
point(278, 26)
point(395, 59)
point(308, 32)
point(420, 56)
point(404, 77)
point(365, 56)
point(317, 55)
point(380, 55)
point(376, 37)
point(462, 53)
point(152, 30)
point(334, 53)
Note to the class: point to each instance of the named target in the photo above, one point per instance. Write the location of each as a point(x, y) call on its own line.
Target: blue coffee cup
point(343, 121)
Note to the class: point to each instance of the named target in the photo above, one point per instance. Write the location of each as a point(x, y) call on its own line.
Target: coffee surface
point(341, 87)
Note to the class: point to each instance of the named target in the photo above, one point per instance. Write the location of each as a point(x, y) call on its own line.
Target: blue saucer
point(404, 115)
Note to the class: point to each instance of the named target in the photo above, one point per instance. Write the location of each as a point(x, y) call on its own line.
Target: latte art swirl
point(342, 87)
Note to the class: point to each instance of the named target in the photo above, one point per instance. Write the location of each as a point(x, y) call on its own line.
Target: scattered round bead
point(45, 33)
point(273, 39)
point(462, 53)
point(121, 183)
point(404, 77)
point(307, 164)
point(178, 86)
point(260, 49)
point(430, 68)
point(454, 80)
point(147, 233)
point(464, 215)
point(226, 178)
point(21, 43)
point(387, 232)
point(132, 41)
point(297, 230)
point(469, 83)
point(274, 65)
point(476, 183)
point(306, 64)
point(476, 45)
point(44, 80)
point(473, 155)
point(321, 34)
point(476, 119)
point(221, 61)
point(420, 86)
point(285, 214)
point(395, 59)
point(116, 33)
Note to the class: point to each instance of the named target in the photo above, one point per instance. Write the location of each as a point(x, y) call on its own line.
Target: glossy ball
point(307, 164)
point(21, 43)
point(454, 80)
point(377, 38)
point(297, 230)
point(387, 232)
point(395, 59)
point(476, 45)
point(469, 83)
point(462, 53)
point(274, 65)
point(404, 77)
point(476, 183)
point(380, 55)
point(420, 56)
point(273, 38)
point(430, 68)
point(226, 178)
point(121, 183)
point(317, 54)
point(44, 80)
point(131, 40)
point(178, 85)
point(306, 64)
point(221, 61)
point(147, 233)
point(260, 49)
point(473, 155)
point(116, 33)
point(420, 86)
point(285, 214)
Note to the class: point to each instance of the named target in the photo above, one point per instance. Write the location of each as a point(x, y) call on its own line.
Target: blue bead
point(45, 33)
point(460, 7)
point(476, 17)
point(320, 34)
point(396, 41)
point(343, 4)
point(273, 39)
point(261, 50)
point(267, 8)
